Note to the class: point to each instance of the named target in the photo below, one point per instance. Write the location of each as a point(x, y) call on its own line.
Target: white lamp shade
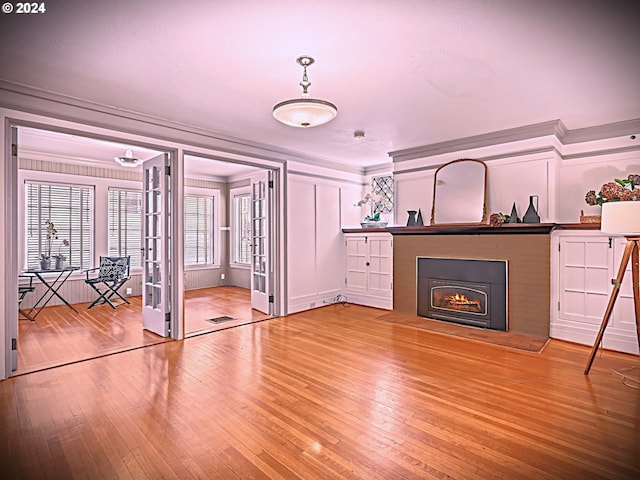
point(621, 218)
point(305, 112)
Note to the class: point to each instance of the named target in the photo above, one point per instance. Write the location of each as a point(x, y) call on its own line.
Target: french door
point(14, 221)
point(261, 268)
point(156, 287)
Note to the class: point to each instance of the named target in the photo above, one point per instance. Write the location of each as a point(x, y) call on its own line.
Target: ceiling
point(61, 147)
point(408, 73)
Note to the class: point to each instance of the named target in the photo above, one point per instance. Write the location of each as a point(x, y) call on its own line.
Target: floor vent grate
point(222, 319)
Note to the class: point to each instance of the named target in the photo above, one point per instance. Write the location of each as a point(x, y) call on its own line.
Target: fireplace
point(470, 292)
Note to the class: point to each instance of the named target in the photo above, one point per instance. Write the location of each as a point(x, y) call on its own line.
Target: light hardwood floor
point(333, 393)
point(60, 336)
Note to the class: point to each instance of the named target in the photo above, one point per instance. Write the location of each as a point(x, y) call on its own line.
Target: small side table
point(52, 287)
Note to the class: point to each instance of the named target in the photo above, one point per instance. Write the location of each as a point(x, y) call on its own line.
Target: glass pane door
point(155, 285)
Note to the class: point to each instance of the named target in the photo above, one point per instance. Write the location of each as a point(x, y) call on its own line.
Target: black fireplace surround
point(470, 292)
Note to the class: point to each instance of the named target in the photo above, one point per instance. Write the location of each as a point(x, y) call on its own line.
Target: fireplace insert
point(470, 292)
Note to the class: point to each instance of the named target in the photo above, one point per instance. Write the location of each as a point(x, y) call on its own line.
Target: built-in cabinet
point(369, 269)
point(583, 265)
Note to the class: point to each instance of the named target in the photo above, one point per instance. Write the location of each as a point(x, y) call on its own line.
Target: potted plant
point(52, 234)
point(620, 190)
point(372, 220)
point(59, 258)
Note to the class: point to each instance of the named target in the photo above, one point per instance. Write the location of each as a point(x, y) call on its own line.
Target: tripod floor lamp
point(621, 218)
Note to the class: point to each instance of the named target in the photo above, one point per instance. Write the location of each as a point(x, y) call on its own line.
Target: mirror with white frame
point(459, 193)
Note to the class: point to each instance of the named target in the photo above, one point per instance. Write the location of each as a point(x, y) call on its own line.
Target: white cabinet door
point(357, 258)
point(585, 266)
point(585, 278)
point(369, 269)
point(380, 267)
point(624, 311)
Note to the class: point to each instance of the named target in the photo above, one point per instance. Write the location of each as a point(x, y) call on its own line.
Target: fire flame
point(459, 300)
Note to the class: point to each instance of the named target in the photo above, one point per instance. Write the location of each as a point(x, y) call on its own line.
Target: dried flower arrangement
point(620, 190)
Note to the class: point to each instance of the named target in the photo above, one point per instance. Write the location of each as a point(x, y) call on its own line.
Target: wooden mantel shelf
point(507, 228)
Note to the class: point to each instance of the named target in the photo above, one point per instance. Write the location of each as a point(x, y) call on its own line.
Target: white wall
point(560, 180)
point(579, 175)
point(509, 181)
point(318, 209)
point(413, 191)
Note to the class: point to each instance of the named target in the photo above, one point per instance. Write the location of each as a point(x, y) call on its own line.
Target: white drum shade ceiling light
point(128, 160)
point(305, 112)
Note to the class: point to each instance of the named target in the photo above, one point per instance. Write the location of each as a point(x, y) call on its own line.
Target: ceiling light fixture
point(128, 160)
point(305, 112)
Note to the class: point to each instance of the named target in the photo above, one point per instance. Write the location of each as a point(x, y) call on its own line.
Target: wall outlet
point(129, 291)
point(222, 276)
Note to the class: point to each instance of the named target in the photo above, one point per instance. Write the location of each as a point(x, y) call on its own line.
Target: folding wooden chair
point(113, 273)
point(23, 290)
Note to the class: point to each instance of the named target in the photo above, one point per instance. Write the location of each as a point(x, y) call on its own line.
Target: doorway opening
point(66, 159)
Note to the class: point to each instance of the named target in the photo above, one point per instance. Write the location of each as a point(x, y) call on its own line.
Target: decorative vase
point(513, 217)
point(531, 216)
point(45, 264)
point(419, 220)
point(59, 263)
point(411, 222)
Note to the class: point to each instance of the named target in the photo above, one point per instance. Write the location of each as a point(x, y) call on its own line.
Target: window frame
point(379, 184)
point(52, 181)
point(119, 188)
point(233, 193)
point(214, 229)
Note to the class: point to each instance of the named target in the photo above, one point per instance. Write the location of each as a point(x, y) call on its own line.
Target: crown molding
point(602, 132)
point(28, 99)
point(508, 155)
point(553, 127)
point(379, 168)
point(322, 177)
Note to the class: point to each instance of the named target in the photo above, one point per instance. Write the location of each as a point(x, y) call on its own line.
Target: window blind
point(70, 209)
point(125, 224)
point(198, 234)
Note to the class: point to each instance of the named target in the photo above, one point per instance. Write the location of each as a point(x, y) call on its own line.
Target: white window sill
point(240, 266)
point(210, 266)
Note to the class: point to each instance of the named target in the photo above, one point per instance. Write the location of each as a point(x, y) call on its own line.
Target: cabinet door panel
point(574, 278)
point(624, 313)
point(597, 280)
point(595, 305)
point(598, 253)
point(356, 274)
point(380, 265)
point(584, 278)
point(573, 252)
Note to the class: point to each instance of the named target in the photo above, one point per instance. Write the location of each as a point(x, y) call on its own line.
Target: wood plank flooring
point(206, 303)
point(506, 339)
point(333, 393)
point(60, 336)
